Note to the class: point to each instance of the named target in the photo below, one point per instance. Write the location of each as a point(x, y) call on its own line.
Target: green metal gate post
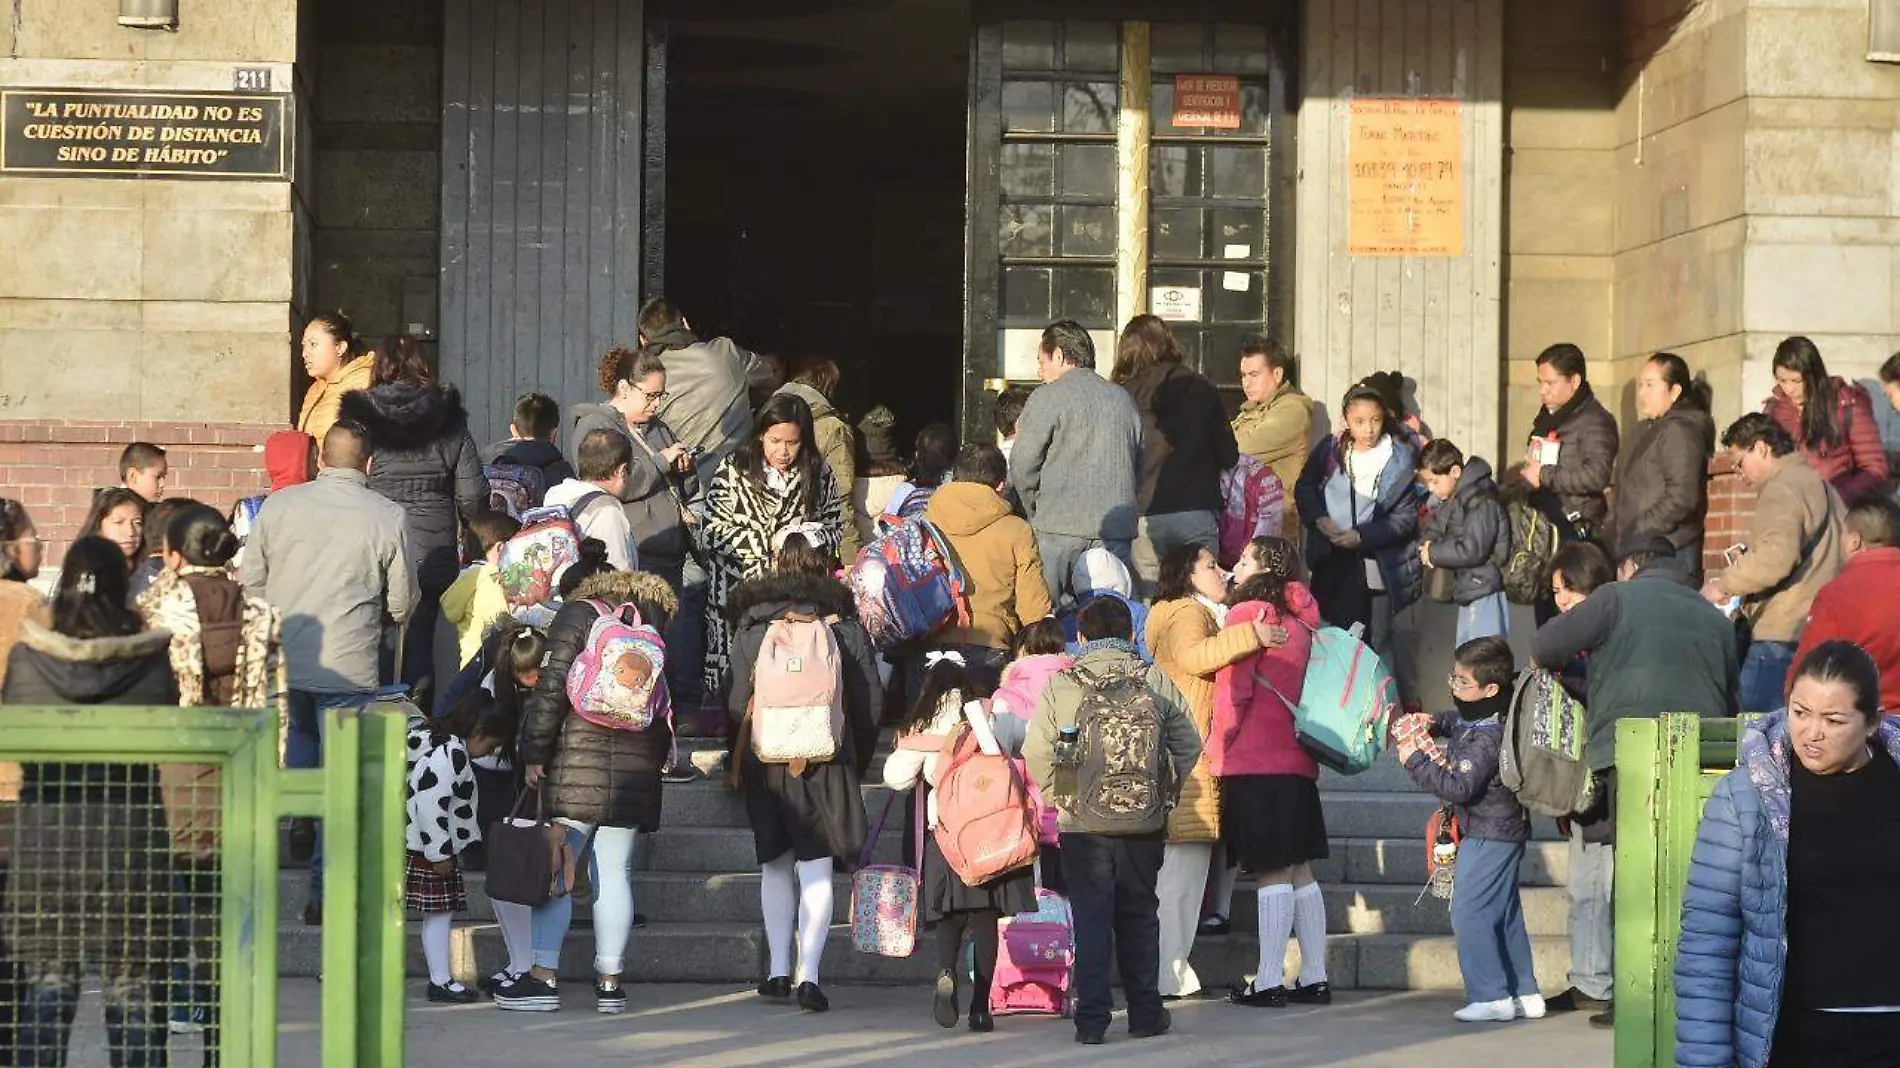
point(380, 852)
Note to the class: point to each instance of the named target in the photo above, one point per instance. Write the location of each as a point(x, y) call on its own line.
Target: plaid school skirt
point(426, 890)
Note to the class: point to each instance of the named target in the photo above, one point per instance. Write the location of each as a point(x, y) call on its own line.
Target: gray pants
point(1592, 904)
point(1158, 535)
point(1060, 551)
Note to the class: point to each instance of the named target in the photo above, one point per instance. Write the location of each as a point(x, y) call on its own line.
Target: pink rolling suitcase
point(1035, 958)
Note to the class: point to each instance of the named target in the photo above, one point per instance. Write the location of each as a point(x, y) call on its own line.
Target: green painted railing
point(358, 795)
point(1665, 770)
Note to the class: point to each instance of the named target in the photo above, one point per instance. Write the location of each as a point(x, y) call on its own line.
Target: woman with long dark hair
point(1186, 443)
point(1662, 474)
point(1831, 421)
point(87, 835)
point(21, 552)
point(424, 460)
point(1780, 962)
point(118, 516)
point(776, 480)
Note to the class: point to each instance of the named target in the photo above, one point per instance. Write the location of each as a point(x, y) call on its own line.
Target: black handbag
point(530, 863)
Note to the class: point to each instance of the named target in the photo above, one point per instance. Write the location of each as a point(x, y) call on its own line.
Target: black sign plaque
point(92, 133)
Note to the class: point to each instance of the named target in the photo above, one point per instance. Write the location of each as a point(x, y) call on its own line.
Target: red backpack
point(986, 817)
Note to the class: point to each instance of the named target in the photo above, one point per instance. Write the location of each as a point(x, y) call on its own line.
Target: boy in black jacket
point(1467, 534)
point(1487, 914)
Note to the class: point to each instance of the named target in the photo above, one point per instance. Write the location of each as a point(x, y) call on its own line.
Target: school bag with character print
point(618, 680)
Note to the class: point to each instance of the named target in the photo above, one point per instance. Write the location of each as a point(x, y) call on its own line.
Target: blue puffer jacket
point(1734, 946)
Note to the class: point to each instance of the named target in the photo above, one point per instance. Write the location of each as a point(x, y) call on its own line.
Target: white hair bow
point(812, 532)
point(951, 655)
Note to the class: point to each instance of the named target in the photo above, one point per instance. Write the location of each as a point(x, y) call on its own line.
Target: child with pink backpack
point(1039, 653)
point(945, 710)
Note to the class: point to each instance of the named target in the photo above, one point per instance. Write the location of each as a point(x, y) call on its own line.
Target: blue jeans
point(686, 635)
point(1487, 914)
point(1486, 617)
point(1765, 676)
point(613, 913)
point(303, 748)
point(1592, 910)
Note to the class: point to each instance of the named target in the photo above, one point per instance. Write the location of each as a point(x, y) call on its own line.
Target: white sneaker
point(1487, 1012)
point(1530, 1007)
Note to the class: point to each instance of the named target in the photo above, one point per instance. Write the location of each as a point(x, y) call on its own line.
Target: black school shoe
point(1215, 926)
point(1574, 1000)
point(980, 1020)
point(453, 993)
point(1090, 1038)
point(1161, 1026)
point(1273, 997)
point(777, 988)
point(1602, 1021)
point(610, 1000)
point(812, 999)
point(1317, 994)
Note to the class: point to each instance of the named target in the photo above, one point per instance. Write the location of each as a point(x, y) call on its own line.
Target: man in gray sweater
point(331, 555)
point(1077, 457)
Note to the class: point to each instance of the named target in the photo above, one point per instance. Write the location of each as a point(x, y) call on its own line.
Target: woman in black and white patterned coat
point(776, 480)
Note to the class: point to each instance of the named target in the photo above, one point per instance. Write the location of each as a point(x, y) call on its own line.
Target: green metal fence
point(1665, 770)
point(358, 795)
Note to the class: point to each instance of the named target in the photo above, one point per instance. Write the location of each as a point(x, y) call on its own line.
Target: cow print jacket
point(440, 800)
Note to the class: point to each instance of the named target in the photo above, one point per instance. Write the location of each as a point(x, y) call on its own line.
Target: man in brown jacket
point(998, 553)
point(1794, 548)
point(1275, 425)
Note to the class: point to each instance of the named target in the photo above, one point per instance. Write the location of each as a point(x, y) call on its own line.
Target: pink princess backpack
point(618, 681)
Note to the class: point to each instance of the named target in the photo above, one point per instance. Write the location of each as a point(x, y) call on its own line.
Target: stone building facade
point(1701, 176)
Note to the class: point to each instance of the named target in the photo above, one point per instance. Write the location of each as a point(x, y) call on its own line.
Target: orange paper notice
point(1406, 192)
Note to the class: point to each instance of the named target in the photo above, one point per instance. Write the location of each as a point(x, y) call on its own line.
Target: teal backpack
point(1349, 699)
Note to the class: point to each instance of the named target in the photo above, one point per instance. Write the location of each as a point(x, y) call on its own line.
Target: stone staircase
point(698, 887)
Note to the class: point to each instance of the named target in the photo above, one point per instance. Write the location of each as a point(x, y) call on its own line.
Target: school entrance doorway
point(912, 188)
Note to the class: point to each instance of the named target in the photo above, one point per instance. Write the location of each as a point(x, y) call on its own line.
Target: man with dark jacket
point(1573, 488)
point(1111, 875)
point(707, 384)
point(1862, 604)
point(1077, 457)
point(333, 556)
point(1655, 646)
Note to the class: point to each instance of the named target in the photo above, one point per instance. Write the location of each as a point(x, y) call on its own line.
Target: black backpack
point(1123, 776)
point(1532, 546)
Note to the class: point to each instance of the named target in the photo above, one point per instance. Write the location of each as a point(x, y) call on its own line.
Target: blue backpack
point(908, 584)
point(1350, 696)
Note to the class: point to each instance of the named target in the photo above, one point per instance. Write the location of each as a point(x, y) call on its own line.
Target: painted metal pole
point(1639, 775)
point(380, 931)
point(342, 759)
point(1133, 129)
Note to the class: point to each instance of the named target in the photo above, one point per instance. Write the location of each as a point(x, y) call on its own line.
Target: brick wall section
point(1731, 509)
point(53, 466)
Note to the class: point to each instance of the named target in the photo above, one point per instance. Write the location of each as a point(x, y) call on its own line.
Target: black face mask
point(1483, 707)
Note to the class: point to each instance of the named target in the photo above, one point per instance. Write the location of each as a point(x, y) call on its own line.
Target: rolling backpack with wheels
point(1035, 960)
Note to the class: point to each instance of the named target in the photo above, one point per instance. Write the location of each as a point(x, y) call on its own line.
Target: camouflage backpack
point(1123, 779)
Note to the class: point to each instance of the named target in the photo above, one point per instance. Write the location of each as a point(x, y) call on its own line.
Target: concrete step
point(1394, 815)
point(725, 954)
point(732, 898)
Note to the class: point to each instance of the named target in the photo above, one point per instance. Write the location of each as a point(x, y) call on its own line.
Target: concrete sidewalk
point(718, 1027)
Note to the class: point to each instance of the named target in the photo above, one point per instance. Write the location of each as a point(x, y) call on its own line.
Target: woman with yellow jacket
point(1190, 643)
point(337, 362)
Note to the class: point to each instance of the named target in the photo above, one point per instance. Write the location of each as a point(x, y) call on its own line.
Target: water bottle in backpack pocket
point(797, 708)
point(618, 680)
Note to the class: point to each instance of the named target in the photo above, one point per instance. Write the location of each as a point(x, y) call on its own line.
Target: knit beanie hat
point(880, 443)
point(1098, 569)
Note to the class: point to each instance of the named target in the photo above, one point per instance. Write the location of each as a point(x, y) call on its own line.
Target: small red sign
point(1210, 101)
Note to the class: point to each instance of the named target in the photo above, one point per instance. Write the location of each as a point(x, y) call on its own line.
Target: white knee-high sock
point(1275, 902)
point(1224, 890)
point(1309, 922)
point(778, 905)
point(517, 933)
point(814, 915)
point(435, 945)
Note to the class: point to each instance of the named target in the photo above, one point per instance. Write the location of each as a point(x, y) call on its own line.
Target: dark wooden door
point(542, 181)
